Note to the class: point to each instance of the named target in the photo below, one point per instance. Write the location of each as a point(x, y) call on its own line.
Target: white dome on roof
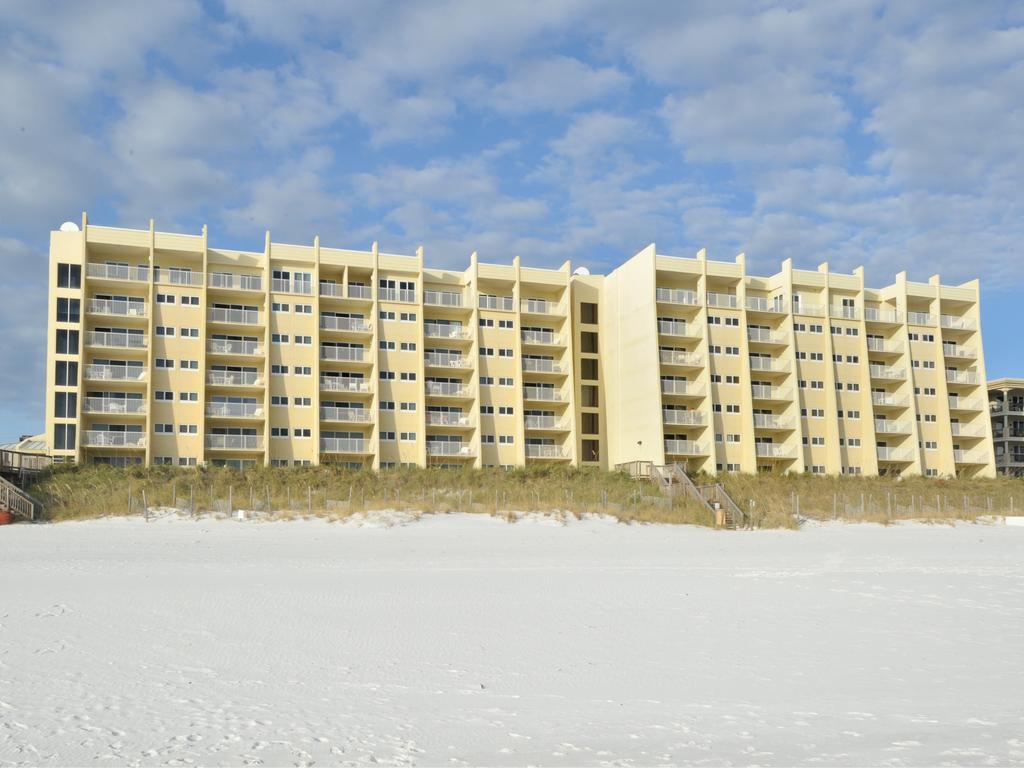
point(581, 271)
point(69, 226)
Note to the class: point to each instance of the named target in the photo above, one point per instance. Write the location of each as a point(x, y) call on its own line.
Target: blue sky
point(853, 132)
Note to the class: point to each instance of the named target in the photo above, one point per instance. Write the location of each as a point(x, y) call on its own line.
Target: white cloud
point(554, 83)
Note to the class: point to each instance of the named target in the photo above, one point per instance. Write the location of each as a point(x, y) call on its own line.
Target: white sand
point(461, 639)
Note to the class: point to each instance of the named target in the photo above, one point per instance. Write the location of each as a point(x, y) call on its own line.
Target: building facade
point(164, 350)
point(1006, 406)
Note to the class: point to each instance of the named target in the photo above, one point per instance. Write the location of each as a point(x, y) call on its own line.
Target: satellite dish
point(581, 271)
point(69, 226)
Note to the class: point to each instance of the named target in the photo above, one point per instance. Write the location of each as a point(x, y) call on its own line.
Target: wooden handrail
point(17, 501)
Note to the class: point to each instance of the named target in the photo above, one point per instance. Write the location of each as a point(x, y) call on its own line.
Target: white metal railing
point(886, 372)
point(327, 288)
point(883, 346)
point(883, 398)
point(890, 427)
point(893, 454)
point(281, 285)
point(761, 304)
point(360, 292)
point(122, 405)
point(920, 318)
point(234, 378)
point(446, 360)
point(354, 354)
point(234, 410)
point(138, 273)
point(506, 303)
point(772, 451)
point(816, 310)
point(448, 389)
point(442, 298)
point(115, 339)
point(118, 307)
point(964, 404)
point(540, 307)
point(235, 281)
point(962, 377)
point(961, 456)
point(534, 365)
point(94, 438)
point(677, 296)
point(954, 350)
point(344, 445)
point(765, 336)
point(234, 442)
point(448, 419)
point(549, 394)
point(541, 337)
point(344, 384)
point(238, 316)
point(764, 392)
point(355, 324)
point(845, 313)
point(683, 418)
point(445, 331)
point(677, 387)
point(957, 323)
point(685, 448)
point(172, 276)
point(115, 372)
point(770, 421)
point(544, 422)
point(965, 430)
point(333, 413)
point(448, 448)
point(233, 347)
point(678, 328)
point(882, 315)
point(768, 364)
point(671, 357)
point(396, 294)
point(723, 300)
point(540, 451)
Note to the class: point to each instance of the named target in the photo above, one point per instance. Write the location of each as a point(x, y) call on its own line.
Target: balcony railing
point(344, 445)
point(533, 365)
point(893, 454)
point(234, 378)
point(234, 410)
point(448, 448)
point(535, 451)
point(962, 377)
point(120, 405)
point(505, 303)
point(964, 404)
point(727, 300)
point(170, 276)
point(332, 413)
point(115, 339)
point(396, 294)
point(338, 290)
point(236, 316)
point(540, 307)
point(678, 328)
point(96, 438)
point(885, 372)
point(969, 457)
point(764, 336)
point(844, 313)
point(281, 285)
point(448, 389)
point(965, 430)
point(541, 337)
point(136, 273)
point(884, 347)
point(547, 394)
point(894, 401)
point(234, 347)
point(115, 372)
point(920, 318)
point(685, 448)
point(442, 298)
point(772, 365)
point(446, 360)
point(772, 451)
point(764, 392)
point(887, 427)
point(344, 384)
point(353, 324)
point(448, 419)
point(670, 357)
point(963, 353)
point(771, 421)
point(873, 315)
point(683, 418)
point(545, 422)
point(676, 387)
point(815, 310)
point(445, 331)
point(760, 304)
point(218, 442)
point(235, 282)
point(344, 354)
point(957, 323)
point(116, 307)
point(677, 296)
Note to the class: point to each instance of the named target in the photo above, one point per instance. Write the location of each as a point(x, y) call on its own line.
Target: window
point(387, 345)
point(163, 429)
point(506, 410)
point(408, 437)
point(165, 298)
point(588, 342)
point(163, 394)
point(164, 330)
point(387, 405)
point(304, 340)
point(505, 352)
point(486, 322)
point(588, 312)
point(387, 375)
point(488, 439)
point(66, 374)
point(387, 436)
point(815, 328)
point(732, 409)
point(188, 429)
point(408, 376)
point(69, 276)
point(506, 324)
point(302, 402)
point(278, 306)
point(186, 461)
point(408, 346)
point(188, 397)
point(68, 310)
point(189, 333)
point(279, 431)
point(386, 315)
point(732, 438)
point(65, 405)
point(189, 365)
point(732, 379)
point(506, 439)
point(589, 396)
point(279, 338)
point(301, 432)
point(303, 309)
point(486, 381)
point(64, 437)
point(486, 351)
point(588, 368)
point(278, 400)
point(278, 370)
point(67, 342)
point(408, 406)
point(407, 317)
point(590, 424)
point(486, 409)
point(163, 362)
point(505, 381)
point(191, 301)
point(303, 370)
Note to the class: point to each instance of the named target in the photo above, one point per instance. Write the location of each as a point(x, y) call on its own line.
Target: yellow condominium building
point(165, 350)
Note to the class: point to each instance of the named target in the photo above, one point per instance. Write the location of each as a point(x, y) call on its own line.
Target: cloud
point(554, 83)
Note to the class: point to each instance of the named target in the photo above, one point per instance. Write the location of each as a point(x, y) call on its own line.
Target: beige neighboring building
point(165, 350)
point(1006, 407)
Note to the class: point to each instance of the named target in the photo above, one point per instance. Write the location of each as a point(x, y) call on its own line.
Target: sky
point(853, 132)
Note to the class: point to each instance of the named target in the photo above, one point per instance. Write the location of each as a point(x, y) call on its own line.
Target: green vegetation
point(80, 492)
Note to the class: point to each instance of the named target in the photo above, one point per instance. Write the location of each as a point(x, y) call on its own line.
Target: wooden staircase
point(16, 501)
point(17, 470)
point(673, 479)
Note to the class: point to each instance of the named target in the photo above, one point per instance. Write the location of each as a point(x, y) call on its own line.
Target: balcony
point(542, 338)
point(546, 423)
point(886, 316)
point(960, 353)
point(446, 360)
point(772, 451)
point(339, 291)
point(545, 394)
point(765, 392)
point(445, 331)
point(769, 365)
point(962, 377)
point(885, 400)
point(759, 304)
point(844, 313)
point(281, 285)
point(970, 457)
point(442, 298)
point(814, 310)
point(771, 421)
point(723, 300)
point(504, 303)
point(354, 415)
point(345, 445)
point(449, 448)
point(115, 339)
point(135, 273)
point(887, 427)
point(685, 448)
point(396, 294)
point(448, 389)
point(540, 307)
point(677, 296)
point(234, 410)
point(344, 384)
point(234, 442)
point(965, 430)
point(94, 438)
point(124, 406)
point(681, 359)
point(176, 276)
point(126, 373)
point(234, 347)
point(233, 316)
point(679, 387)
point(535, 365)
point(234, 379)
point(535, 451)
point(954, 323)
point(763, 336)
point(678, 328)
point(883, 347)
point(964, 404)
point(887, 372)
point(448, 419)
point(920, 318)
point(894, 454)
point(232, 282)
point(345, 324)
point(679, 418)
point(342, 354)
point(116, 308)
